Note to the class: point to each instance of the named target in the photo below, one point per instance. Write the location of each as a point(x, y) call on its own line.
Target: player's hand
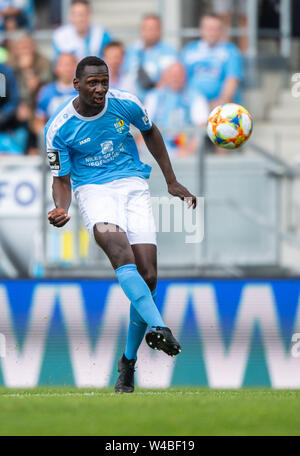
point(176, 189)
point(58, 217)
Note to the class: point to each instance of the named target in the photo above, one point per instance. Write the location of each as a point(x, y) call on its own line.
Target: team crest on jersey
point(120, 125)
point(54, 159)
point(107, 147)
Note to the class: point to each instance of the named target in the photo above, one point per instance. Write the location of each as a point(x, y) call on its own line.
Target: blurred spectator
point(227, 9)
point(150, 56)
point(54, 94)
point(15, 14)
point(12, 138)
point(214, 66)
point(80, 37)
point(32, 71)
point(113, 54)
point(174, 108)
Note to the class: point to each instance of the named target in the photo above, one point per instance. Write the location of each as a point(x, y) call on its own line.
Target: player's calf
point(163, 339)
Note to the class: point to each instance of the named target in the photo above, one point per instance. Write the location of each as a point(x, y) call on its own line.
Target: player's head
point(24, 45)
point(92, 81)
point(80, 15)
point(211, 28)
point(174, 77)
point(151, 29)
point(65, 68)
point(113, 54)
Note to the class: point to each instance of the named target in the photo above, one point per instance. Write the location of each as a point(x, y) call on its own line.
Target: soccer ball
point(229, 125)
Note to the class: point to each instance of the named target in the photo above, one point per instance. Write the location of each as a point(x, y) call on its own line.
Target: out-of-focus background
point(181, 58)
point(249, 53)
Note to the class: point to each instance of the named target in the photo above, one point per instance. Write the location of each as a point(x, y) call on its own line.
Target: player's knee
point(150, 278)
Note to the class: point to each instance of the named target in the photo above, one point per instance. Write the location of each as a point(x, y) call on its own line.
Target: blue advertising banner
point(234, 333)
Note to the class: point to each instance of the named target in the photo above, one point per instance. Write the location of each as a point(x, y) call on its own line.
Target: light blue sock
point(136, 331)
point(137, 291)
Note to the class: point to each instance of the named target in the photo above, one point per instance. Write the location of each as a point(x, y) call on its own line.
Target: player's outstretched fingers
point(191, 201)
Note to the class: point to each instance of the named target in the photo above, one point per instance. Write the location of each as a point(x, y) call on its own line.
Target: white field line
point(87, 394)
point(140, 393)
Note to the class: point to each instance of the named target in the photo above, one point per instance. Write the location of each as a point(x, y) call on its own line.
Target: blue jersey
point(26, 6)
point(208, 67)
point(154, 61)
point(98, 149)
point(67, 40)
point(168, 108)
point(51, 97)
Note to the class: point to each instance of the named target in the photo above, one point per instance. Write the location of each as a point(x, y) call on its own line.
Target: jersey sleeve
point(138, 115)
point(58, 155)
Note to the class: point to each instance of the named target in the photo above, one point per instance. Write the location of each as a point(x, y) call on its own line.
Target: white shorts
point(124, 202)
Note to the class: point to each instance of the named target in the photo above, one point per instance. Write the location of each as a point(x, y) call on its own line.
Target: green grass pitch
point(175, 411)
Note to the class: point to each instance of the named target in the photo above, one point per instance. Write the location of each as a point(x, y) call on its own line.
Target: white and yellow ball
point(229, 125)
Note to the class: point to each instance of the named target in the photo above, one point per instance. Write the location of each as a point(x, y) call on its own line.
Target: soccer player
point(89, 144)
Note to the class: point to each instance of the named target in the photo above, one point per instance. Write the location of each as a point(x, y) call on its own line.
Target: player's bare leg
point(146, 262)
point(141, 262)
point(113, 241)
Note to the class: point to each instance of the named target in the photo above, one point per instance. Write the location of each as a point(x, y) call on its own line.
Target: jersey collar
point(88, 119)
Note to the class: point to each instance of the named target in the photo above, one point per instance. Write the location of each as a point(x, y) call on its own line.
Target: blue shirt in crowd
point(168, 108)
point(67, 40)
point(154, 61)
point(26, 6)
point(51, 97)
point(98, 149)
point(208, 67)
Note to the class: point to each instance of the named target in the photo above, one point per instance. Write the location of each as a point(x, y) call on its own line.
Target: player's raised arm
point(156, 146)
point(62, 195)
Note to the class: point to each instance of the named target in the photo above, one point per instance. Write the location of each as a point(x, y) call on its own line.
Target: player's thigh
point(103, 203)
point(146, 262)
point(114, 242)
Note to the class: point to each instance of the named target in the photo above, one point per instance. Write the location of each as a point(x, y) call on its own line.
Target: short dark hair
point(85, 2)
point(211, 14)
point(151, 16)
point(113, 44)
point(88, 61)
